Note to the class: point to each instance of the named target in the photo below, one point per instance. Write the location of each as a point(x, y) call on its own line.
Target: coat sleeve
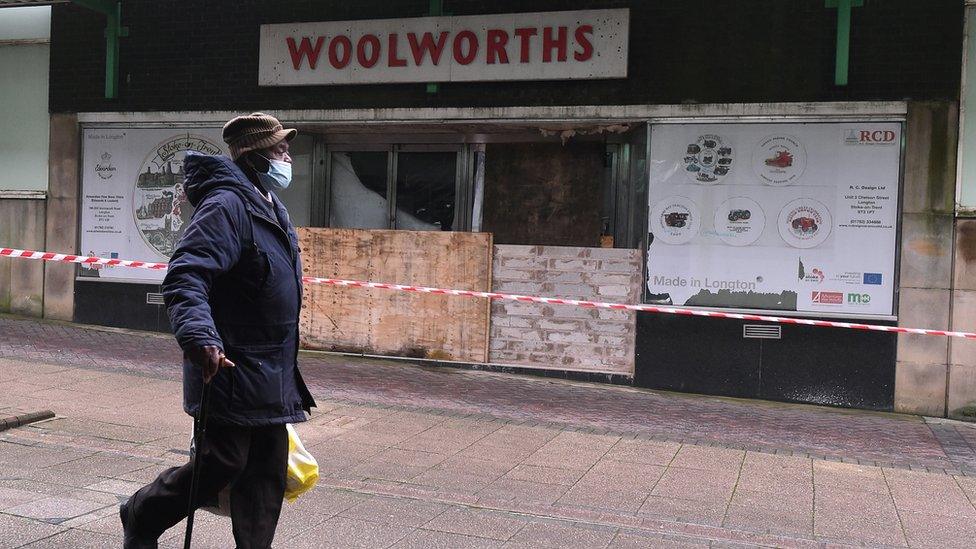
point(210, 247)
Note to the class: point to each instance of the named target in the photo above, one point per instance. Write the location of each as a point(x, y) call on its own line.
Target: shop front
point(570, 154)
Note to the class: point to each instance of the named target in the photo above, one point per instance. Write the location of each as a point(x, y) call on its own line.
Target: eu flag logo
point(872, 278)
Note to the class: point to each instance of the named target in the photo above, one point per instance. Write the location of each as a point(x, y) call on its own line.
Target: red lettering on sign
point(865, 135)
point(584, 42)
point(472, 40)
point(427, 46)
point(374, 50)
point(393, 60)
point(334, 59)
point(549, 43)
point(525, 35)
point(497, 39)
point(882, 136)
point(305, 50)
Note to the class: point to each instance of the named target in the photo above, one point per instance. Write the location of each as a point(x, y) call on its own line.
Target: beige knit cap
point(253, 132)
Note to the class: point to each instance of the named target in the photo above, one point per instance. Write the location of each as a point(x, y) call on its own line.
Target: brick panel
point(562, 337)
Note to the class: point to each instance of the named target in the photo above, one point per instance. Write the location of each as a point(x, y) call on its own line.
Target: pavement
point(421, 456)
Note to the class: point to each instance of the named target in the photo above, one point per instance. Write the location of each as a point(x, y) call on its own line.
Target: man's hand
point(209, 358)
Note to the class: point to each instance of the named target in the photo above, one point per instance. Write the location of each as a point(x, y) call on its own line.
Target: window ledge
point(23, 195)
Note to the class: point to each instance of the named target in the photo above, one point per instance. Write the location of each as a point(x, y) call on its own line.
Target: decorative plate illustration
point(804, 223)
point(708, 159)
point(159, 204)
point(739, 221)
point(779, 160)
point(675, 220)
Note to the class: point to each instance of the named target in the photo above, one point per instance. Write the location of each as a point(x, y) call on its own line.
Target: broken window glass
point(425, 191)
point(358, 194)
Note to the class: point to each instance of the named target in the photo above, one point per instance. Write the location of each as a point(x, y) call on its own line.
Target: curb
point(13, 422)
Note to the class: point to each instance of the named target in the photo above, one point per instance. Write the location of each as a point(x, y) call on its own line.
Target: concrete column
point(961, 398)
point(62, 217)
point(926, 256)
point(21, 281)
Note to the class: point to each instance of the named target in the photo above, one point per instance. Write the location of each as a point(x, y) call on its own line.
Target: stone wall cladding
point(557, 336)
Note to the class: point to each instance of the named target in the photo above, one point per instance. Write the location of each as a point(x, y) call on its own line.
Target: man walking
point(233, 293)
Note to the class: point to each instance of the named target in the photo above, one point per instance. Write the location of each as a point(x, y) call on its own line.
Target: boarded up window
point(544, 193)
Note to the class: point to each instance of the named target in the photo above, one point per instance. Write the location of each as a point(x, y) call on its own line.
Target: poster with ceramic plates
point(133, 203)
point(775, 216)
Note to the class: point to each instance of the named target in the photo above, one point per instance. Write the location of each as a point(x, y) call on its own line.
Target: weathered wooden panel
point(397, 323)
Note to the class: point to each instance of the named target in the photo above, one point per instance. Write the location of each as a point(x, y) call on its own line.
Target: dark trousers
point(254, 460)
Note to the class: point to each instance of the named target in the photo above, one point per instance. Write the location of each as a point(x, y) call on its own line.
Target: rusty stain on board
point(382, 322)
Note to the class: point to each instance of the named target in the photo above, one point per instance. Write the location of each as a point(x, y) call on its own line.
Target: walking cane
point(199, 430)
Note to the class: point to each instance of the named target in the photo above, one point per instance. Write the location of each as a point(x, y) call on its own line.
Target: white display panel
point(782, 217)
point(133, 205)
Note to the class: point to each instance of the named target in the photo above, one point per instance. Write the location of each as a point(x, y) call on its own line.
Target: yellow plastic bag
point(303, 470)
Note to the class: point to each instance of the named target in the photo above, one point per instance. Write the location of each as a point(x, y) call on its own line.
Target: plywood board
point(397, 323)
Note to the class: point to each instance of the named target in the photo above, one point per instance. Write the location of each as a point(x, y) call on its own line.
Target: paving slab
point(54, 509)
point(932, 530)
point(396, 511)
point(429, 539)
point(537, 533)
point(617, 498)
point(920, 492)
point(347, 532)
point(761, 513)
point(545, 475)
point(863, 516)
point(522, 492)
point(478, 523)
point(645, 452)
point(696, 511)
point(13, 497)
point(77, 538)
point(681, 483)
point(17, 531)
point(643, 541)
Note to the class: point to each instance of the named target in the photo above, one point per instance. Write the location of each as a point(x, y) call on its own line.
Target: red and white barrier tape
point(48, 256)
point(86, 260)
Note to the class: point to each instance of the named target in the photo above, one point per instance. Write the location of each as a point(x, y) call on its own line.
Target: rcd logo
point(869, 137)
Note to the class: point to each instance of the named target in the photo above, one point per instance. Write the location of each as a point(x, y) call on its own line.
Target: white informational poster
point(133, 204)
point(782, 217)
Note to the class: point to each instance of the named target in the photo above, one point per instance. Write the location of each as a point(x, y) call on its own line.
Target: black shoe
point(130, 539)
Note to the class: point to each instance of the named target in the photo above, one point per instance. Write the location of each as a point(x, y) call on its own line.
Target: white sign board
point(786, 217)
point(133, 205)
point(561, 45)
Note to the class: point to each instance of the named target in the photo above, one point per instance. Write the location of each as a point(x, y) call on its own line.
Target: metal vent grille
point(762, 331)
point(154, 299)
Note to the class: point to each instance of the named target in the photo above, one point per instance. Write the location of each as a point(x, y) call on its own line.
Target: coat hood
point(206, 173)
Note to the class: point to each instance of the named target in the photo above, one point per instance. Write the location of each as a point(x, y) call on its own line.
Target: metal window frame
point(464, 176)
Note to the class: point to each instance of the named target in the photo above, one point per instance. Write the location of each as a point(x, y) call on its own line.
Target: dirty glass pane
point(358, 191)
point(425, 191)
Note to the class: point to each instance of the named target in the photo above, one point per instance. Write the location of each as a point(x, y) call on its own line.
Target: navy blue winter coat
point(235, 282)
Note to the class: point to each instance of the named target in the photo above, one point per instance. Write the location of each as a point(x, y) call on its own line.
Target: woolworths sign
point(564, 45)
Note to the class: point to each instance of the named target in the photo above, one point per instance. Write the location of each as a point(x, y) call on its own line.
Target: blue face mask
point(278, 176)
